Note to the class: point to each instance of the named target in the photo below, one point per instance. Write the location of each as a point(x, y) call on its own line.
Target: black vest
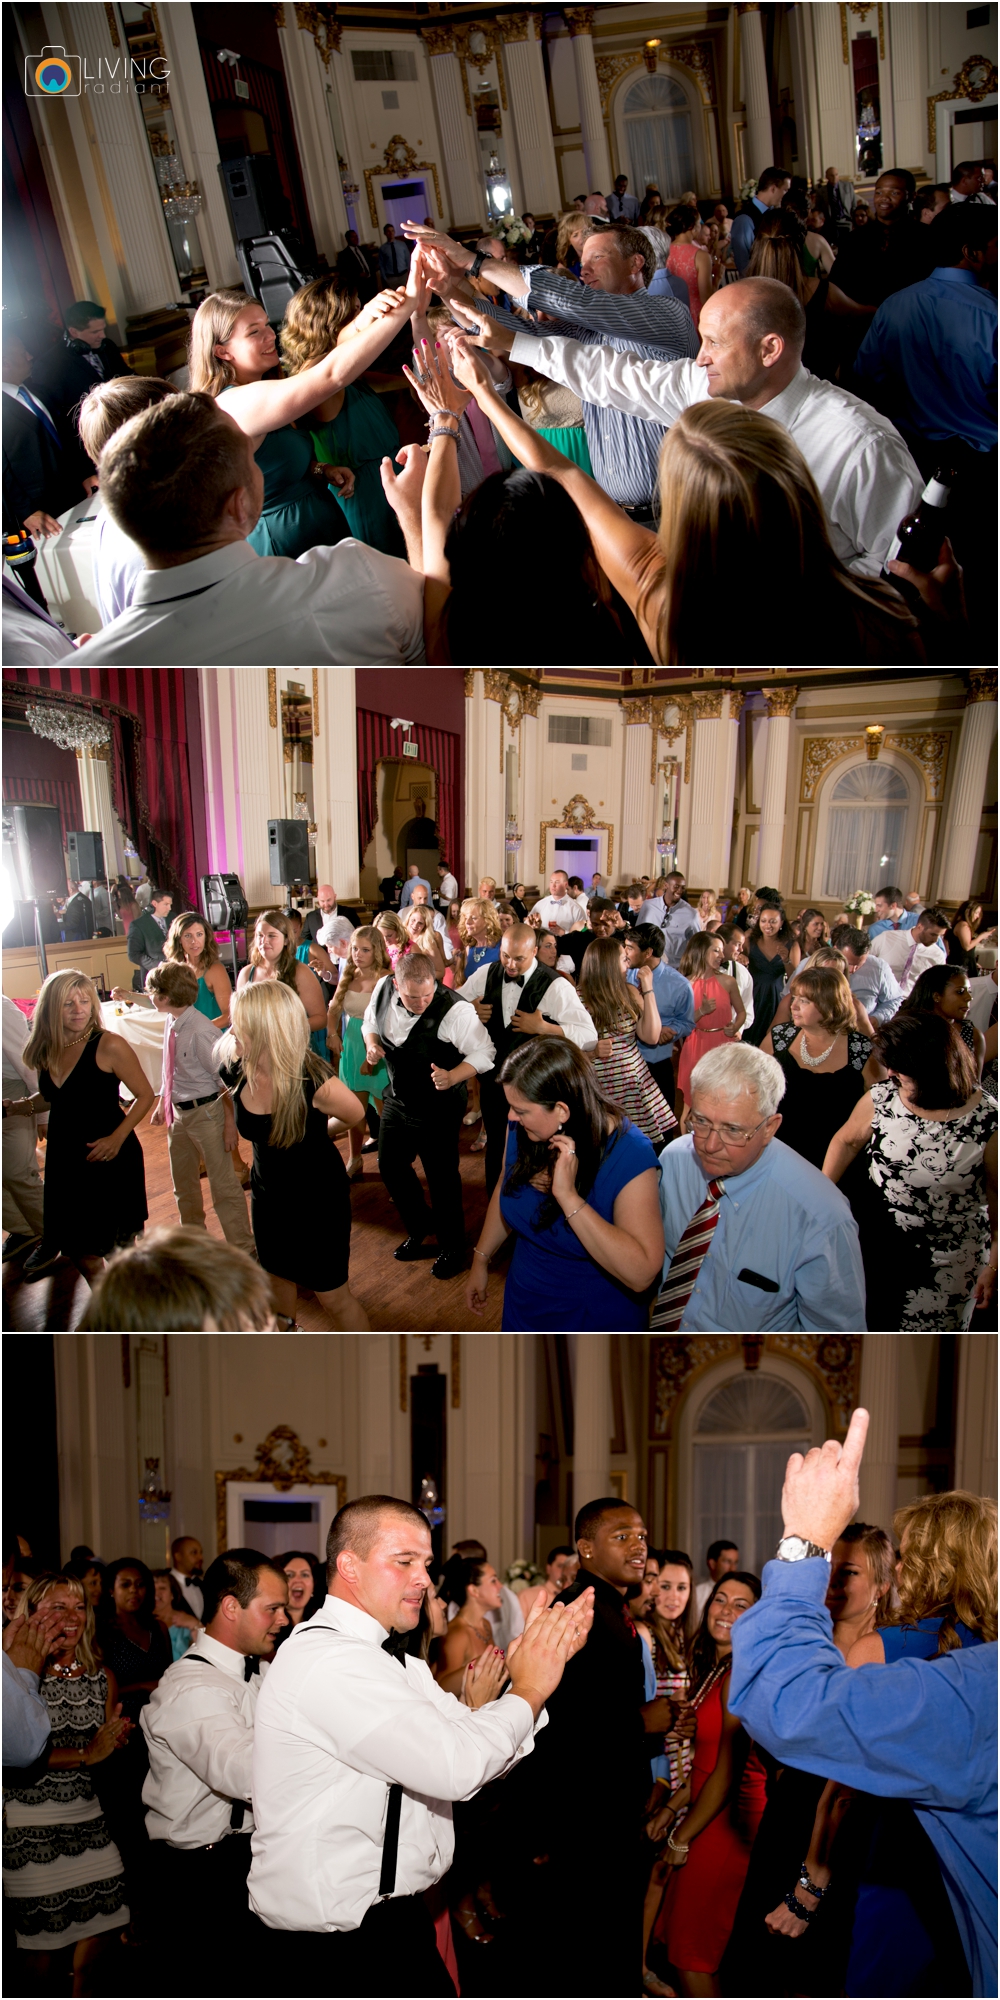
point(409, 1065)
point(535, 987)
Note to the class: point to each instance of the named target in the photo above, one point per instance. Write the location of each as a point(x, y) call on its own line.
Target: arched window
point(741, 1447)
point(866, 829)
point(658, 135)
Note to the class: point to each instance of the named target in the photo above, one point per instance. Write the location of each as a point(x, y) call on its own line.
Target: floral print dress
point(929, 1173)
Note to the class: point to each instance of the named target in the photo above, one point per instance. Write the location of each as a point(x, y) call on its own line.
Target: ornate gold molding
point(677, 1360)
point(780, 701)
point(399, 158)
point(494, 685)
point(315, 713)
point(272, 696)
point(708, 707)
point(695, 57)
point(322, 24)
point(530, 699)
point(579, 20)
point(283, 1461)
point(981, 687)
point(737, 696)
point(578, 816)
point(835, 1361)
point(926, 749)
point(469, 681)
point(519, 27)
point(976, 79)
point(438, 41)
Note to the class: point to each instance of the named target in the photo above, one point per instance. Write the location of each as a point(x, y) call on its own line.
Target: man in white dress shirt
point(359, 1755)
point(448, 885)
point(198, 1726)
point(752, 335)
point(909, 953)
point(517, 998)
point(431, 1045)
point(186, 1557)
point(181, 480)
point(559, 907)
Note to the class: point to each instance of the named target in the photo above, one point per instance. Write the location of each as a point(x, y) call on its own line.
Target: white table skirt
point(142, 1028)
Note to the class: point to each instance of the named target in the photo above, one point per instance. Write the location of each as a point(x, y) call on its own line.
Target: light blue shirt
point(743, 233)
point(876, 987)
point(924, 1731)
point(930, 358)
point(906, 923)
point(675, 1000)
point(652, 911)
point(677, 926)
point(782, 1220)
point(26, 1721)
point(413, 882)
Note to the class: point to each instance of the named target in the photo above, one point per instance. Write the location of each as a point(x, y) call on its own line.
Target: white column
point(258, 780)
point(830, 79)
point(494, 737)
point(307, 77)
point(192, 115)
point(780, 703)
point(459, 143)
point(98, 1454)
point(580, 21)
point(759, 141)
point(591, 1418)
point(732, 735)
point(531, 794)
point(146, 268)
point(98, 811)
point(529, 105)
point(879, 1395)
point(638, 798)
point(710, 748)
point(484, 780)
point(976, 1415)
point(907, 68)
point(335, 781)
point(342, 87)
point(968, 787)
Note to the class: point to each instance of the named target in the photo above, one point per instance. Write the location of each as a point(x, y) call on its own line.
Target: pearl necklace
point(813, 1061)
point(77, 1039)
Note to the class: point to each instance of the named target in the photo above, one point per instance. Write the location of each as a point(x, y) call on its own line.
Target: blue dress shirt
point(743, 232)
point(783, 1221)
point(675, 1000)
point(26, 1720)
point(678, 924)
point(413, 882)
point(666, 284)
point(877, 988)
point(924, 1731)
point(930, 356)
point(906, 923)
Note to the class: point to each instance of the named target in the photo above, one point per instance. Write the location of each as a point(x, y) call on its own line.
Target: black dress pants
point(434, 1139)
point(223, 1936)
point(494, 1107)
point(394, 1951)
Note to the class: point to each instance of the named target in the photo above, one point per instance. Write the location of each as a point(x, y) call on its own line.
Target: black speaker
point(85, 852)
point(38, 845)
point(288, 847)
point(223, 902)
point(252, 187)
point(274, 268)
point(21, 928)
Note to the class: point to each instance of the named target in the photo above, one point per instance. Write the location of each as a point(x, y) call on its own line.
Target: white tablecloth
point(142, 1028)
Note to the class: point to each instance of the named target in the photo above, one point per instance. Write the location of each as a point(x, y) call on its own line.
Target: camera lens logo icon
point(52, 72)
point(53, 76)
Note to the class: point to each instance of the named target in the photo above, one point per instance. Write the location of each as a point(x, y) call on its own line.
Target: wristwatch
point(480, 258)
point(792, 1549)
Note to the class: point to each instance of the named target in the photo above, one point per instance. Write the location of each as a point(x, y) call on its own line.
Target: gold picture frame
point(283, 1461)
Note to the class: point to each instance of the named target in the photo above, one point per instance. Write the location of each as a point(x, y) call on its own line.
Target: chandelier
point(154, 1503)
point(180, 197)
point(512, 839)
point(71, 728)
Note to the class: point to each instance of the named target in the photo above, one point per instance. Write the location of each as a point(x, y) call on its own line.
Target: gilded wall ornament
point(834, 1358)
point(693, 56)
point(469, 681)
point(282, 1461)
point(928, 749)
point(976, 79)
point(578, 816)
point(579, 20)
point(438, 41)
point(322, 24)
point(707, 707)
point(272, 696)
point(399, 158)
point(780, 701)
point(981, 687)
point(673, 1360)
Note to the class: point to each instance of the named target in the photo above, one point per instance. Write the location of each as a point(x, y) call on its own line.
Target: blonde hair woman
point(233, 349)
point(827, 1064)
point(59, 1859)
point(95, 1179)
point(190, 942)
point(389, 927)
point(364, 967)
point(480, 930)
point(707, 909)
point(572, 231)
point(418, 923)
point(300, 1201)
point(352, 426)
point(947, 1576)
point(729, 478)
point(272, 956)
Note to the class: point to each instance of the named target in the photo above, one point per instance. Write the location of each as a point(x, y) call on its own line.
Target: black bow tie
point(195, 1577)
point(513, 979)
point(396, 1645)
point(251, 1666)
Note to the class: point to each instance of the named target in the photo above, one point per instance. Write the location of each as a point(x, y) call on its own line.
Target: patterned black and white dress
point(928, 1173)
point(62, 1873)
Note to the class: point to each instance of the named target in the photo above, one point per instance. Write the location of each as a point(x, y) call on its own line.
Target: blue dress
point(299, 512)
point(480, 954)
point(553, 1284)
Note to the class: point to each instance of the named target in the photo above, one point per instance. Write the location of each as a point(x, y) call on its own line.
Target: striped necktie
point(25, 396)
point(687, 1261)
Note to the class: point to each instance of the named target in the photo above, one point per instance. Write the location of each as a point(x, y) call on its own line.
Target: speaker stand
point(43, 965)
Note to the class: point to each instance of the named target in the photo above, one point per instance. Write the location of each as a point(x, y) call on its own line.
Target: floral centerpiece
point(521, 1573)
point(860, 906)
point(510, 230)
point(748, 189)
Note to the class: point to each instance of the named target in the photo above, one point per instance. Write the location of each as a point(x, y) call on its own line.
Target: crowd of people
point(652, 391)
point(693, 1116)
point(299, 1759)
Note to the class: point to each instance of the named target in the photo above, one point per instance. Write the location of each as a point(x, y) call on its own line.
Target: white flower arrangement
point(520, 1574)
point(862, 904)
point(510, 230)
point(749, 188)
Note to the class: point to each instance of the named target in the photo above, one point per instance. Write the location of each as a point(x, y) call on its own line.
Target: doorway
point(578, 857)
point(744, 1435)
point(274, 1525)
point(404, 201)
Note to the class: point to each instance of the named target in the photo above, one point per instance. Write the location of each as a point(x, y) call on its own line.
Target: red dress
point(681, 262)
point(698, 1910)
point(709, 1032)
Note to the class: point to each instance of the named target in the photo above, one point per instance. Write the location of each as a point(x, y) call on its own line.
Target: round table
point(142, 1028)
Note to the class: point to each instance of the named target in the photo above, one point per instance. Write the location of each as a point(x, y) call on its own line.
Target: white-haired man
point(753, 1240)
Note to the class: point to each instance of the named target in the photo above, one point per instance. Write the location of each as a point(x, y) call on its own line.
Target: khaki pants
point(22, 1184)
point(195, 1135)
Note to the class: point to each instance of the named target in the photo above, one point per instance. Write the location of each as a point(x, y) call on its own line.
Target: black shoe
point(370, 1146)
point(408, 1252)
point(39, 1264)
point(18, 1246)
point(449, 1264)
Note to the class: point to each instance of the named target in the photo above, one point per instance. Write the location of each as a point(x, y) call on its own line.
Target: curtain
point(437, 747)
point(37, 772)
point(658, 128)
point(866, 830)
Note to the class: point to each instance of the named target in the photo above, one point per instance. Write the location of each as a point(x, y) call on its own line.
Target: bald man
point(325, 922)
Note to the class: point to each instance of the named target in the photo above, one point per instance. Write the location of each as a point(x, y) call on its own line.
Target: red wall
point(434, 696)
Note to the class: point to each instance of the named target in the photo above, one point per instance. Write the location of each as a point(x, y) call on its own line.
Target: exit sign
point(410, 750)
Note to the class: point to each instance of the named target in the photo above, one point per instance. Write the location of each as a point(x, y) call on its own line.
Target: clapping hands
point(484, 1678)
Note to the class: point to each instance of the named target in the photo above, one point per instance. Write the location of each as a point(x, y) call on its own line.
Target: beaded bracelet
point(798, 1909)
point(810, 1887)
point(431, 435)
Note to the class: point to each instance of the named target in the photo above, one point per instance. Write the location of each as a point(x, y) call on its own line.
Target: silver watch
point(792, 1549)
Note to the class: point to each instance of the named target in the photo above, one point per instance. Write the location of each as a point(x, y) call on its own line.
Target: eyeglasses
point(731, 1135)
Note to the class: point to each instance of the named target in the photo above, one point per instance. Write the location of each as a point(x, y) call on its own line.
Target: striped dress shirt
point(624, 449)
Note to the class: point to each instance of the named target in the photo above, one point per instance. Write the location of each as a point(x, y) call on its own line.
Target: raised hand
point(403, 489)
point(820, 1493)
point(418, 287)
point(563, 1168)
point(431, 377)
point(29, 1641)
point(484, 1677)
point(472, 373)
point(547, 1643)
point(486, 332)
point(434, 239)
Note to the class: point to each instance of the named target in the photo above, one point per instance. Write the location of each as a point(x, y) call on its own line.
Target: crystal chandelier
point(154, 1503)
point(429, 1504)
point(180, 197)
point(512, 838)
point(70, 728)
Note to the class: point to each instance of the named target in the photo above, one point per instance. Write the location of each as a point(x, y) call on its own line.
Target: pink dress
point(709, 1032)
point(681, 262)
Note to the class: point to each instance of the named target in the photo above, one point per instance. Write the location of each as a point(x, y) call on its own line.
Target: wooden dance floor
point(398, 1298)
